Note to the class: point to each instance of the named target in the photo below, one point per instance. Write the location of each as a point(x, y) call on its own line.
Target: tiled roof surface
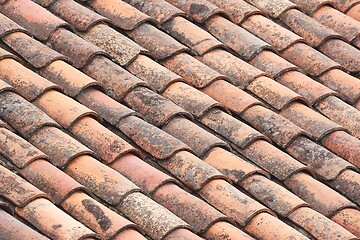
point(179, 119)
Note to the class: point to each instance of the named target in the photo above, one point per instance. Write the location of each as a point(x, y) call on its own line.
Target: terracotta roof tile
point(59, 146)
point(238, 39)
point(354, 12)
point(225, 231)
point(5, 87)
point(181, 234)
point(14, 229)
point(129, 234)
point(325, 228)
point(193, 135)
point(310, 6)
point(45, 3)
point(102, 180)
point(52, 221)
point(344, 5)
point(233, 203)
point(348, 184)
point(156, 109)
point(149, 215)
point(5, 54)
point(122, 14)
point(348, 218)
point(33, 17)
point(8, 26)
point(191, 35)
point(77, 15)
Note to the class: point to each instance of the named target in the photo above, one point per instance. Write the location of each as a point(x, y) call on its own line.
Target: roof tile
point(310, 6)
point(193, 135)
point(16, 189)
point(225, 231)
point(45, 3)
point(181, 234)
point(157, 42)
point(151, 139)
point(156, 109)
point(51, 180)
point(348, 183)
point(12, 106)
point(318, 225)
point(33, 17)
point(59, 146)
point(5, 54)
point(52, 221)
point(129, 234)
point(354, 12)
point(122, 14)
point(194, 211)
point(323, 162)
point(319, 196)
point(191, 170)
point(8, 26)
point(348, 218)
point(154, 218)
point(272, 8)
point(19, 151)
point(344, 5)
point(238, 39)
point(101, 179)
point(233, 203)
point(63, 109)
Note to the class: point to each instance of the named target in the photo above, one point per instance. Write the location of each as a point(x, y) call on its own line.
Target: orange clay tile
point(272, 64)
point(349, 219)
point(52, 221)
point(147, 177)
point(150, 138)
point(341, 113)
point(308, 88)
point(17, 150)
point(238, 10)
point(231, 165)
point(101, 179)
point(238, 39)
point(189, 98)
point(109, 109)
point(301, 54)
point(309, 120)
point(318, 225)
point(95, 215)
point(17, 190)
point(116, 80)
point(344, 145)
point(191, 209)
point(345, 54)
point(122, 49)
point(14, 229)
point(338, 21)
point(273, 8)
point(354, 12)
point(26, 82)
point(276, 127)
point(59, 146)
point(12, 106)
point(157, 42)
point(122, 14)
point(45, 3)
point(191, 35)
point(231, 128)
point(77, 15)
point(345, 84)
point(239, 72)
point(277, 198)
point(196, 73)
point(310, 6)
point(5, 87)
point(155, 219)
point(199, 10)
point(69, 78)
point(323, 162)
point(348, 183)
point(51, 180)
point(160, 10)
point(63, 109)
point(320, 197)
point(157, 76)
point(129, 234)
point(5, 54)
point(8, 26)
point(105, 143)
point(230, 96)
point(272, 160)
point(225, 231)
point(181, 234)
point(270, 32)
point(156, 109)
point(190, 170)
point(344, 5)
point(193, 135)
point(233, 202)
point(273, 93)
point(40, 22)
point(265, 226)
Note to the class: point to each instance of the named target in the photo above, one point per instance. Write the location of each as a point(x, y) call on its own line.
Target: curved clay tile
point(221, 229)
point(349, 219)
point(348, 184)
point(344, 5)
point(273, 8)
point(310, 6)
point(354, 12)
point(8, 26)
